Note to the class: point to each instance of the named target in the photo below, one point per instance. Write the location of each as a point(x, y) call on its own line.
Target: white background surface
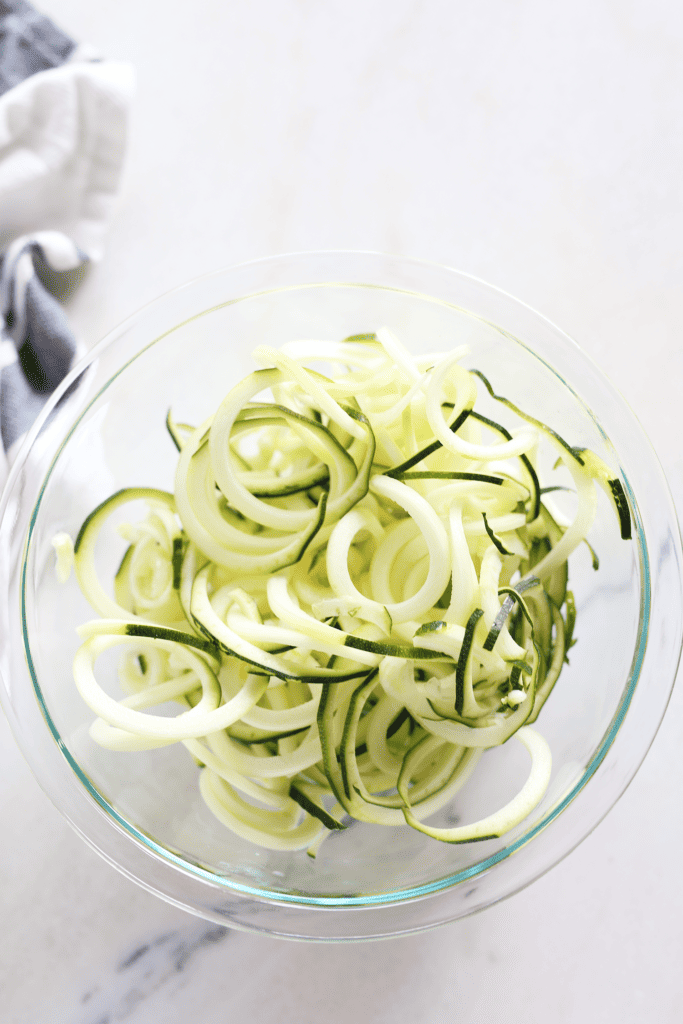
point(536, 145)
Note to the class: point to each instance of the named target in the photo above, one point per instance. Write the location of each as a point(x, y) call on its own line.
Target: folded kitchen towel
point(63, 119)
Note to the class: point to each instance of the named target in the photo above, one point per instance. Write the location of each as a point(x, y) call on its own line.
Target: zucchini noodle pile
point(357, 587)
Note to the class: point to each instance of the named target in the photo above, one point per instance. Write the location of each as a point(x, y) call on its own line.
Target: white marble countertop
point(536, 146)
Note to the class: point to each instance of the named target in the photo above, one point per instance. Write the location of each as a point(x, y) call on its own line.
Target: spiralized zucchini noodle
point(357, 586)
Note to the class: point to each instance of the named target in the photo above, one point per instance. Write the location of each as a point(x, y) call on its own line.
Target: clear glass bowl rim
point(297, 899)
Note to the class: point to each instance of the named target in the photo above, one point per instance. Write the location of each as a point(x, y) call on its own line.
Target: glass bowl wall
point(142, 811)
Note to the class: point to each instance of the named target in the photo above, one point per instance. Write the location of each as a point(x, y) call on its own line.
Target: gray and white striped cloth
point(37, 346)
point(63, 115)
point(29, 42)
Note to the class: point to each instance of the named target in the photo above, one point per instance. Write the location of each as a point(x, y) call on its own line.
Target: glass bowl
point(142, 811)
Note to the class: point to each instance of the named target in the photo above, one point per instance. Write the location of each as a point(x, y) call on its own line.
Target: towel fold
point(63, 122)
point(62, 143)
point(38, 346)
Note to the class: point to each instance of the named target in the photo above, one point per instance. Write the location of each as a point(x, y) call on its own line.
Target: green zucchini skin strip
point(611, 485)
point(497, 543)
point(575, 453)
point(309, 805)
point(208, 716)
point(238, 496)
point(595, 561)
point(177, 561)
point(454, 729)
point(175, 430)
point(161, 633)
point(513, 595)
point(420, 456)
point(569, 623)
point(236, 813)
point(558, 658)
point(84, 547)
point(393, 650)
point(249, 735)
point(621, 502)
point(267, 414)
point(484, 478)
point(507, 817)
point(531, 472)
point(263, 555)
point(332, 702)
point(319, 631)
point(348, 740)
point(114, 627)
point(113, 502)
point(370, 337)
point(463, 660)
point(219, 634)
point(432, 627)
